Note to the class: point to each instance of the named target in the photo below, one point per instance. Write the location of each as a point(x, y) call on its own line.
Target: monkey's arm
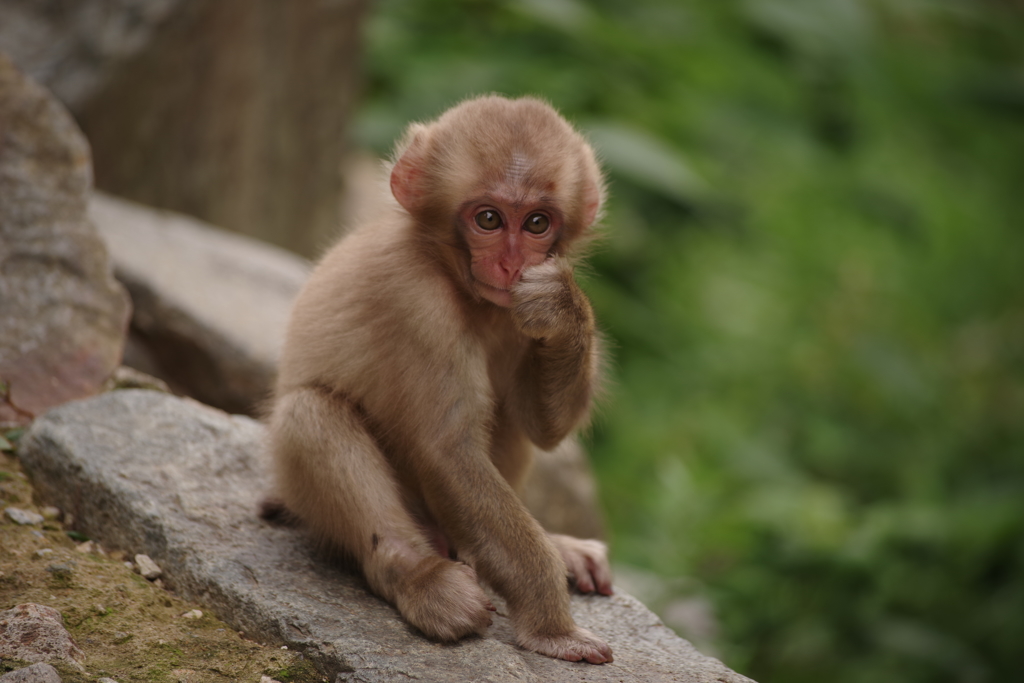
point(560, 372)
point(444, 445)
point(495, 533)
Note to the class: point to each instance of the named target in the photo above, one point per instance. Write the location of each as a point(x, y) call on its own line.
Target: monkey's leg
point(334, 477)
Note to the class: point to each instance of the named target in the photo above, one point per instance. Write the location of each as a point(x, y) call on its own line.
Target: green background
point(812, 282)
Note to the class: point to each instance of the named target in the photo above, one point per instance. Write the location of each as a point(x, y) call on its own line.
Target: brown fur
point(408, 404)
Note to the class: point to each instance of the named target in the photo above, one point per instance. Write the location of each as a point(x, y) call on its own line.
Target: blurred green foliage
point(813, 287)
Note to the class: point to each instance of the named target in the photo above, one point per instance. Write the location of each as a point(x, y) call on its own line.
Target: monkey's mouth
point(496, 295)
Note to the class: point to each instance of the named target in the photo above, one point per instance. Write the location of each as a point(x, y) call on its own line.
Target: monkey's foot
point(579, 645)
point(443, 599)
point(587, 562)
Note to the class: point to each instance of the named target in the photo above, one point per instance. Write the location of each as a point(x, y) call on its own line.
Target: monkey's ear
point(593, 197)
point(408, 179)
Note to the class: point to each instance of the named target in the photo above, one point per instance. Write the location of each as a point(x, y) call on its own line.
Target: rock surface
point(147, 472)
point(235, 112)
point(210, 306)
point(147, 567)
point(64, 316)
point(231, 110)
point(36, 633)
point(23, 517)
point(73, 47)
point(37, 673)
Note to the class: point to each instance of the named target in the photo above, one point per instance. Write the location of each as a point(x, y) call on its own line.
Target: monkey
point(428, 355)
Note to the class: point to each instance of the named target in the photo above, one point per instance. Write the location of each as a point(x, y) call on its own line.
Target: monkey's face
point(506, 236)
point(502, 184)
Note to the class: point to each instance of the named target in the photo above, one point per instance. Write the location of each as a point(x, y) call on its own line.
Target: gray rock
point(147, 567)
point(37, 673)
point(235, 112)
point(180, 481)
point(210, 306)
point(36, 633)
point(64, 316)
point(72, 47)
point(24, 517)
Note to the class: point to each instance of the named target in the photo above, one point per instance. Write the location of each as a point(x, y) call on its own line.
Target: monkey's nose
point(511, 271)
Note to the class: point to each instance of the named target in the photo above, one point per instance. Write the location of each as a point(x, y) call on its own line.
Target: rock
point(231, 110)
point(35, 633)
point(561, 492)
point(24, 517)
point(236, 113)
point(37, 673)
point(223, 348)
point(181, 482)
point(64, 315)
point(147, 567)
point(72, 47)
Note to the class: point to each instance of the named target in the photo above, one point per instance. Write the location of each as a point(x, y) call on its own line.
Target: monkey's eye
point(536, 224)
point(488, 220)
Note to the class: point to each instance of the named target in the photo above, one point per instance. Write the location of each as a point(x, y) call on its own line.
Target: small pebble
point(105, 680)
point(23, 517)
point(43, 552)
point(86, 547)
point(147, 567)
point(50, 512)
point(193, 614)
point(129, 565)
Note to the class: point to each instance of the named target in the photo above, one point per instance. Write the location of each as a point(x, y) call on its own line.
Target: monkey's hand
point(548, 304)
point(587, 562)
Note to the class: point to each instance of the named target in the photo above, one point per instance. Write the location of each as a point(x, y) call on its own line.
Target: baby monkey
point(429, 353)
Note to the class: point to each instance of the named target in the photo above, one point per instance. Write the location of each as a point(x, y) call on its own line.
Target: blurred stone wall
point(232, 111)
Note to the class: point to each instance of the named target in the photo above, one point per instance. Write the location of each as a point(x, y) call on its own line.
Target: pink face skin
point(506, 237)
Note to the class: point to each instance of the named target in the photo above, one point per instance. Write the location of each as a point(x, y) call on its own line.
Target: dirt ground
point(129, 628)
